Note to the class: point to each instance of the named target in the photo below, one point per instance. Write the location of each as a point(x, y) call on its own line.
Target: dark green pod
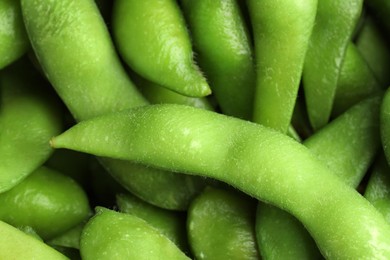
point(356, 81)
point(378, 187)
point(374, 47)
point(221, 225)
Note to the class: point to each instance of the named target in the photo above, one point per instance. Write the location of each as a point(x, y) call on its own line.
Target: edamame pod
point(224, 52)
point(171, 224)
point(347, 146)
point(29, 117)
point(385, 124)
point(165, 189)
point(15, 244)
point(221, 225)
point(334, 25)
point(68, 239)
point(374, 47)
point(263, 163)
point(281, 236)
point(47, 201)
point(282, 31)
point(153, 40)
point(378, 187)
point(157, 94)
point(13, 38)
point(356, 81)
point(88, 77)
point(115, 235)
point(91, 81)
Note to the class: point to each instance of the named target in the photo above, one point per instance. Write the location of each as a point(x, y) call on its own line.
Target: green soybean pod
point(281, 236)
point(221, 225)
point(69, 238)
point(356, 81)
point(170, 223)
point(385, 124)
point(224, 52)
point(165, 189)
point(89, 67)
point(13, 38)
point(47, 201)
point(157, 94)
point(91, 81)
point(114, 235)
point(15, 244)
point(282, 31)
point(263, 163)
point(334, 25)
point(29, 117)
point(347, 146)
point(373, 46)
point(153, 40)
point(378, 187)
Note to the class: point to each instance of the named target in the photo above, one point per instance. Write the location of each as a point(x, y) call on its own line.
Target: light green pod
point(261, 162)
point(74, 48)
point(221, 225)
point(356, 81)
point(282, 31)
point(47, 201)
point(13, 38)
point(170, 223)
point(29, 117)
point(347, 146)
point(152, 38)
point(224, 52)
point(157, 94)
point(17, 245)
point(91, 81)
point(114, 235)
point(333, 29)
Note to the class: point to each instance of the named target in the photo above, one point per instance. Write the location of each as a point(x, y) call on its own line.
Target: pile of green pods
point(203, 129)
